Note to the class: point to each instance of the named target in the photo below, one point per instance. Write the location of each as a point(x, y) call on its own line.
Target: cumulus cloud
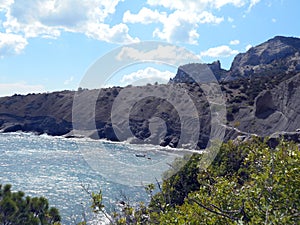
point(11, 44)
point(168, 54)
point(181, 26)
point(234, 42)
point(147, 75)
point(19, 88)
point(4, 4)
point(115, 34)
point(182, 23)
point(220, 51)
point(144, 16)
point(48, 18)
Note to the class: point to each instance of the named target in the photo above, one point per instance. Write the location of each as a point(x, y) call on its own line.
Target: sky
point(49, 45)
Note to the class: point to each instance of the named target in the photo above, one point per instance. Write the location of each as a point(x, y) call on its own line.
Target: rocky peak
point(279, 54)
point(185, 73)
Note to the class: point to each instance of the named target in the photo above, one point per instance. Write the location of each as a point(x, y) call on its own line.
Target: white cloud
point(193, 5)
point(144, 16)
point(274, 20)
point(182, 23)
point(220, 51)
point(48, 18)
point(11, 44)
point(168, 54)
point(181, 26)
point(234, 42)
point(4, 4)
point(68, 81)
point(248, 47)
point(147, 74)
point(252, 3)
point(115, 34)
point(220, 3)
point(230, 20)
point(19, 88)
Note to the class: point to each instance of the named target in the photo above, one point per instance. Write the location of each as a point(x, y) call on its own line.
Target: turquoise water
point(57, 168)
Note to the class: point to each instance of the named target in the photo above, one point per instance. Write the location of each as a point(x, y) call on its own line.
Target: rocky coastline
point(261, 92)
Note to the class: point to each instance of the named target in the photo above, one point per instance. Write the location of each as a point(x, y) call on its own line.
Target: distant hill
point(261, 92)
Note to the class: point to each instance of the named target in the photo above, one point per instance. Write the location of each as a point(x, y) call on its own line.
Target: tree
point(16, 209)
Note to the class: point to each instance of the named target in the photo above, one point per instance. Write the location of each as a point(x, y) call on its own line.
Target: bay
point(58, 168)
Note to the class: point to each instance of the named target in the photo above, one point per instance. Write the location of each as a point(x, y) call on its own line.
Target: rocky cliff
point(40, 113)
point(275, 56)
point(261, 94)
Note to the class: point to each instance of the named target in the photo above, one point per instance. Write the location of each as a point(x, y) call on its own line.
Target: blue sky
point(48, 45)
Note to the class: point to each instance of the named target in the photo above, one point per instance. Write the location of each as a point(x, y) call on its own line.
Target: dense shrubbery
point(248, 183)
point(16, 209)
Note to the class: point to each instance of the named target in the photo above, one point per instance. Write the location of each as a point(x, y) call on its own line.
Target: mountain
point(261, 94)
point(275, 56)
point(279, 54)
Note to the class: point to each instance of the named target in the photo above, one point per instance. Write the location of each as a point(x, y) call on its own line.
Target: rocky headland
point(261, 95)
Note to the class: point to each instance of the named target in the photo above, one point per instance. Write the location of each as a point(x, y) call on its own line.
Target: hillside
point(261, 92)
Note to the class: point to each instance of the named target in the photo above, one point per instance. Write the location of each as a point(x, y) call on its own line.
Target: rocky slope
point(260, 94)
point(276, 56)
point(279, 54)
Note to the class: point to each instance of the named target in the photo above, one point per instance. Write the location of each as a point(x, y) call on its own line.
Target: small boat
point(140, 155)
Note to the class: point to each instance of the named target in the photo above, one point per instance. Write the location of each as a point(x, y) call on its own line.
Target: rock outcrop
point(277, 55)
point(199, 73)
point(274, 110)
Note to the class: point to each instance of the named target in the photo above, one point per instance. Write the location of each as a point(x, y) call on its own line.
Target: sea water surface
point(58, 168)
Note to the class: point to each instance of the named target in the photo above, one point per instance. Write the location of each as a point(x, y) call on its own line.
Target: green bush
point(249, 183)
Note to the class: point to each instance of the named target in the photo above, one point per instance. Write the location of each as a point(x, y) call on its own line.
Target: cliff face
point(274, 110)
point(41, 113)
point(150, 120)
point(261, 91)
point(279, 54)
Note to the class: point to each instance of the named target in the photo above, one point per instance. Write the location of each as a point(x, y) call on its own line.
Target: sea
point(66, 170)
